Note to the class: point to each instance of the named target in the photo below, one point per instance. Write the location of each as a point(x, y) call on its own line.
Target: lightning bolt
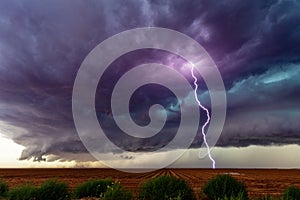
point(207, 120)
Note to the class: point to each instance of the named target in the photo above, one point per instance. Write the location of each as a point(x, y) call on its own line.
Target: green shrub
point(291, 193)
point(166, 188)
point(24, 192)
point(3, 188)
point(116, 192)
point(53, 190)
point(49, 190)
point(92, 188)
point(225, 187)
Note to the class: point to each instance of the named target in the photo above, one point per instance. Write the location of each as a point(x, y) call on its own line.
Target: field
point(258, 181)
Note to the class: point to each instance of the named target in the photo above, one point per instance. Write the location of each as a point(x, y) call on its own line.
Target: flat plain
point(259, 182)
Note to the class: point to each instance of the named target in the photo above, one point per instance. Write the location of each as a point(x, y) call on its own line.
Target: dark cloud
point(264, 109)
point(256, 45)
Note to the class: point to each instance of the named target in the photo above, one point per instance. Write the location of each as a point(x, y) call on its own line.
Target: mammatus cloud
point(256, 45)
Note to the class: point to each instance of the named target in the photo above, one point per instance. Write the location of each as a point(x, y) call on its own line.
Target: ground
point(258, 181)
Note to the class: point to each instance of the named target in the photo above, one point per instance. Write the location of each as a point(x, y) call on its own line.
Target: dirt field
point(258, 181)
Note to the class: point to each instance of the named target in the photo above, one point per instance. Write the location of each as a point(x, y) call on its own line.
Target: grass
point(24, 192)
point(269, 197)
point(3, 188)
point(116, 192)
point(92, 188)
point(225, 187)
point(49, 190)
point(166, 188)
point(53, 190)
point(291, 193)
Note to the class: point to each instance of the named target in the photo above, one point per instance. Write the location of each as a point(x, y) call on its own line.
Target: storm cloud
point(255, 44)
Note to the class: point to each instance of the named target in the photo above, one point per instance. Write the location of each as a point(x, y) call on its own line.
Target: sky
point(255, 45)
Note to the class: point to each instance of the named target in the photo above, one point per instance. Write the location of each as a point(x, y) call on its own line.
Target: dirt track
point(258, 182)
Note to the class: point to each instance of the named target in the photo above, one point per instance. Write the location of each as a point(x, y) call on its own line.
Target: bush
point(225, 187)
point(3, 188)
point(49, 190)
point(24, 192)
point(116, 192)
point(92, 188)
point(291, 193)
point(166, 188)
point(53, 190)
